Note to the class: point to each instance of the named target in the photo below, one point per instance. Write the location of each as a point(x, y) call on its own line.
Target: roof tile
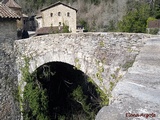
point(58, 3)
point(6, 12)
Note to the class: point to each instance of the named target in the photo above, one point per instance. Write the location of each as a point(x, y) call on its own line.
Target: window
point(51, 14)
point(68, 14)
point(59, 13)
point(59, 23)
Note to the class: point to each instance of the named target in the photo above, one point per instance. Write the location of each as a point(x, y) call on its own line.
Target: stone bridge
point(104, 57)
point(90, 52)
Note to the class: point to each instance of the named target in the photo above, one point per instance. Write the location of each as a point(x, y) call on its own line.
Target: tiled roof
point(12, 4)
point(58, 3)
point(6, 12)
point(48, 30)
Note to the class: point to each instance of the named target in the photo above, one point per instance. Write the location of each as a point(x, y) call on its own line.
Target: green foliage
point(100, 68)
point(34, 97)
point(84, 24)
point(37, 102)
point(51, 30)
point(65, 29)
point(61, 117)
point(153, 31)
point(96, 2)
point(104, 96)
point(84, 109)
point(102, 43)
point(135, 20)
point(82, 100)
point(113, 76)
point(128, 64)
point(77, 64)
point(111, 27)
point(16, 94)
point(156, 9)
point(31, 6)
point(112, 84)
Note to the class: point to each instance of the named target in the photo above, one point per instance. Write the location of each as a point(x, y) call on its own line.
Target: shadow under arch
point(60, 80)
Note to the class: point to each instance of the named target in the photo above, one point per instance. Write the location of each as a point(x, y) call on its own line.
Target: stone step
point(151, 49)
point(152, 46)
point(147, 80)
point(155, 41)
point(148, 56)
point(144, 68)
point(147, 61)
point(150, 62)
point(138, 91)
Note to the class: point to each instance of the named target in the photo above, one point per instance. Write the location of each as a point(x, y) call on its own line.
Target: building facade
point(57, 15)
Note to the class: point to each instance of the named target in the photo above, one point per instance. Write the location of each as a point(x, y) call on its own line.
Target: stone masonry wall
point(105, 57)
point(8, 78)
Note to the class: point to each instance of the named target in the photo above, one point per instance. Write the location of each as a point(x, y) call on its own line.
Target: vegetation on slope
point(104, 15)
point(98, 20)
point(137, 18)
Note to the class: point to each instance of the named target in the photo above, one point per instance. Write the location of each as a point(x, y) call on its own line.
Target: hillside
point(95, 15)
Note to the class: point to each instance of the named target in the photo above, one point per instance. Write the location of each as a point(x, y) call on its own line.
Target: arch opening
point(69, 93)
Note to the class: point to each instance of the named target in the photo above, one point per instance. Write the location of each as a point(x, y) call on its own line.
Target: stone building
point(23, 22)
point(9, 109)
point(57, 15)
point(8, 25)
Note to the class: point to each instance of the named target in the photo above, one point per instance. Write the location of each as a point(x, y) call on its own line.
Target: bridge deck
point(139, 91)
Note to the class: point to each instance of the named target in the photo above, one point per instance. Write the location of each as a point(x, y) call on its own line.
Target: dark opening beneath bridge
point(70, 95)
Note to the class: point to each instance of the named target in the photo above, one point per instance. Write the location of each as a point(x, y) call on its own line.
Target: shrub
point(65, 29)
point(135, 20)
point(35, 101)
point(153, 31)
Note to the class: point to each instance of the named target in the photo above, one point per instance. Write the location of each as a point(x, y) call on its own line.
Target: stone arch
point(60, 80)
point(81, 61)
point(47, 57)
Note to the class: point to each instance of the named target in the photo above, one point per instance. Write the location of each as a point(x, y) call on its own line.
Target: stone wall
point(105, 57)
point(8, 78)
point(8, 29)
